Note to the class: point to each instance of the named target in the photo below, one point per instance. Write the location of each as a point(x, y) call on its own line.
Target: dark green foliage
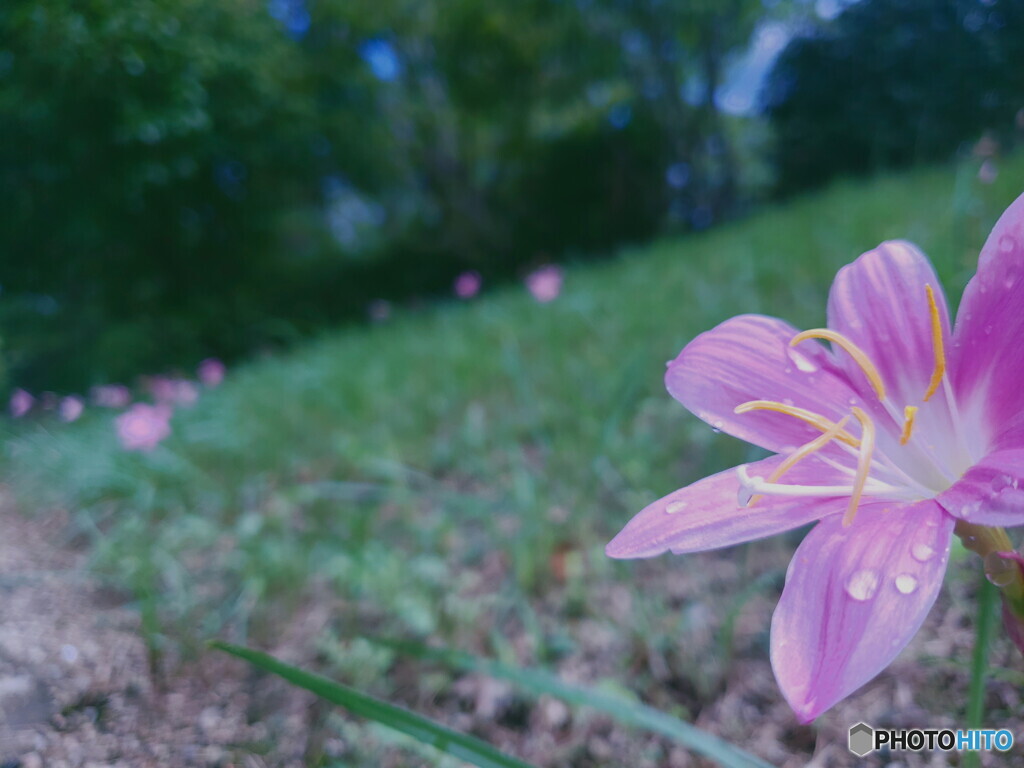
point(893, 82)
point(145, 150)
point(171, 168)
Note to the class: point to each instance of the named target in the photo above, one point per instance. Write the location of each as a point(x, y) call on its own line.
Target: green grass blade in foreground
point(538, 681)
point(457, 744)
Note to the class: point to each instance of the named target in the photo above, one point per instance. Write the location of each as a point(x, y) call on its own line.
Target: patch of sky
point(352, 218)
point(382, 59)
point(620, 116)
point(293, 16)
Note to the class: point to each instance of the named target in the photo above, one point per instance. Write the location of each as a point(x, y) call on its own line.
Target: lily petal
point(749, 358)
point(854, 598)
point(987, 355)
point(991, 492)
point(881, 304)
point(706, 515)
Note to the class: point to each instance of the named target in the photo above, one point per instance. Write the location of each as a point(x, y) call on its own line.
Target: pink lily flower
point(71, 408)
point(890, 439)
point(111, 395)
point(21, 403)
point(211, 372)
point(545, 283)
point(142, 427)
point(468, 284)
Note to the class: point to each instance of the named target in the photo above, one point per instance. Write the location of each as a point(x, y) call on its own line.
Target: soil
point(78, 687)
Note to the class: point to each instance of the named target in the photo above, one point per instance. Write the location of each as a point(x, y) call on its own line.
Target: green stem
point(987, 601)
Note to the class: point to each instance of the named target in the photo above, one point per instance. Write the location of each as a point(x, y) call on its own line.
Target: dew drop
point(802, 362)
point(1008, 283)
point(1007, 244)
point(862, 585)
point(922, 552)
point(674, 507)
point(999, 570)
point(788, 401)
point(906, 583)
point(717, 426)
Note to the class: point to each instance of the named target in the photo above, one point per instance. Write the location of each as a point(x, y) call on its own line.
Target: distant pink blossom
point(988, 172)
point(71, 407)
point(21, 403)
point(142, 427)
point(111, 396)
point(211, 372)
point(467, 285)
point(173, 391)
point(545, 283)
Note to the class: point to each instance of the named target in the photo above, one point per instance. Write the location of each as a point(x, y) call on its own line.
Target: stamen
point(858, 354)
point(807, 449)
point(909, 412)
point(809, 417)
point(867, 447)
point(801, 453)
point(937, 346)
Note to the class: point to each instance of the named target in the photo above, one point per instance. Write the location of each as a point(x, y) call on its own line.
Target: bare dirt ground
point(77, 688)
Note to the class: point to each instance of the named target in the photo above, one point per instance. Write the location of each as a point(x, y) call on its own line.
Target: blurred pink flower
point(545, 283)
point(988, 172)
point(173, 391)
point(142, 427)
point(111, 396)
point(71, 408)
point(21, 403)
point(211, 372)
point(467, 285)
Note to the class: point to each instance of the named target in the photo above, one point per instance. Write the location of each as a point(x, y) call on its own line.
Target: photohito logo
point(864, 739)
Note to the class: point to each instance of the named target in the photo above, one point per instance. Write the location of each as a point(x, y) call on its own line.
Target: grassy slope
point(460, 465)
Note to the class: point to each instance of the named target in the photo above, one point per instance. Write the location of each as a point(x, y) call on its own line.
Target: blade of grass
point(626, 712)
point(457, 744)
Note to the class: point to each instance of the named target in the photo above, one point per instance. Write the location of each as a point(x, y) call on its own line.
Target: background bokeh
point(184, 179)
point(332, 320)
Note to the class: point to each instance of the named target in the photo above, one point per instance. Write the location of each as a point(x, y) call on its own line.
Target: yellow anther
point(867, 447)
point(909, 412)
point(937, 346)
point(851, 349)
point(810, 417)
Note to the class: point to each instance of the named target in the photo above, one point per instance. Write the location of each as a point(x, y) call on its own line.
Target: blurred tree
point(892, 82)
point(144, 151)
point(675, 55)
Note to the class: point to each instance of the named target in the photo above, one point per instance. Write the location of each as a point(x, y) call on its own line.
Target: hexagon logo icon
point(861, 739)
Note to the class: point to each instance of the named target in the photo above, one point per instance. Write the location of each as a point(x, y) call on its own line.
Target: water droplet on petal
point(999, 570)
point(802, 362)
point(906, 583)
point(674, 507)
point(862, 585)
point(922, 552)
point(717, 426)
point(1007, 244)
point(788, 401)
point(1008, 283)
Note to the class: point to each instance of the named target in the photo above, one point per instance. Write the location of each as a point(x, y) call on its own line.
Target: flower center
point(917, 469)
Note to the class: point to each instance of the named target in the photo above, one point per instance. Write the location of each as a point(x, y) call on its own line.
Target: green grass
point(468, 461)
